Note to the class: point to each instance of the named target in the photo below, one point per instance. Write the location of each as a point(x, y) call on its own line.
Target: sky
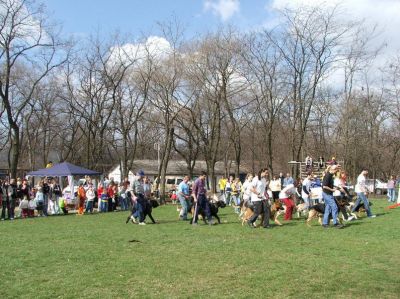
point(139, 17)
point(82, 17)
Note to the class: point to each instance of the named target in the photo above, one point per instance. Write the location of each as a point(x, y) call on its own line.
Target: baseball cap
point(141, 172)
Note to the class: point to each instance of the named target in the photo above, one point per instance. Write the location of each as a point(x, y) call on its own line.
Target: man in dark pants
point(138, 190)
point(327, 194)
point(258, 198)
point(200, 198)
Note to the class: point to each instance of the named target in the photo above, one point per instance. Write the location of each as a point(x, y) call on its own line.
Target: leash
point(195, 213)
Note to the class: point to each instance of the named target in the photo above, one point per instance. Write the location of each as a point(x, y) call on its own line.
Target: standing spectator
point(321, 163)
point(110, 193)
point(199, 194)
point(39, 198)
point(236, 188)
point(55, 191)
point(282, 179)
point(362, 192)
point(288, 180)
point(309, 164)
point(306, 189)
point(122, 197)
point(275, 187)
point(6, 201)
point(49, 164)
point(184, 195)
point(391, 184)
point(327, 194)
point(90, 195)
point(81, 199)
point(228, 190)
point(24, 207)
point(221, 184)
point(259, 198)
point(147, 187)
point(46, 192)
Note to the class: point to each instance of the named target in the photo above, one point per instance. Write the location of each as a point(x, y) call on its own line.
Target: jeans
point(122, 203)
point(185, 206)
point(259, 207)
point(202, 203)
point(361, 197)
point(391, 195)
point(56, 204)
point(104, 205)
point(306, 202)
point(330, 208)
point(10, 206)
point(45, 204)
point(89, 206)
point(227, 198)
point(138, 210)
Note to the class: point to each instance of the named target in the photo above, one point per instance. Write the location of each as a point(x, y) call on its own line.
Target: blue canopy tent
point(63, 169)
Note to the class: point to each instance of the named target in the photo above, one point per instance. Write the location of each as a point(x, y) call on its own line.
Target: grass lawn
point(91, 257)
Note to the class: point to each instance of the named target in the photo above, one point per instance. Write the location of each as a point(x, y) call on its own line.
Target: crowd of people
point(258, 191)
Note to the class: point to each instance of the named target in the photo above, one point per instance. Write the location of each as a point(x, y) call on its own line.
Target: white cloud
point(155, 46)
point(384, 13)
point(225, 9)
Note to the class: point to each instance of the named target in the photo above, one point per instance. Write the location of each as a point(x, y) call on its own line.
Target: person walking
point(138, 191)
point(362, 192)
point(306, 190)
point(183, 196)
point(259, 198)
point(327, 194)
point(199, 194)
point(391, 189)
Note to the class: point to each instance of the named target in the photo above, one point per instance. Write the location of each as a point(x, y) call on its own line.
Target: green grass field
point(91, 257)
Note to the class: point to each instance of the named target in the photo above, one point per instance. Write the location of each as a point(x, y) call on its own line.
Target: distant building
point(176, 168)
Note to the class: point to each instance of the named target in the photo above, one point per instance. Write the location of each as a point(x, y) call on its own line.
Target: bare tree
point(29, 52)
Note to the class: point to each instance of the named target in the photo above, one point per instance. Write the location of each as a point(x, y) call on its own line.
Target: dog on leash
point(317, 211)
point(276, 210)
point(359, 210)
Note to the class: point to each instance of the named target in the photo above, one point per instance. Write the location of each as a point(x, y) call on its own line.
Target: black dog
point(150, 204)
point(214, 206)
point(147, 210)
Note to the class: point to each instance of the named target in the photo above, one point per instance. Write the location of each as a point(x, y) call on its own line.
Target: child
point(174, 197)
point(32, 204)
point(24, 206)
point(62, 204)
point(39, 200)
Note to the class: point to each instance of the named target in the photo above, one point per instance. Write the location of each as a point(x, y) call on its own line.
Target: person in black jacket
point(46, 193)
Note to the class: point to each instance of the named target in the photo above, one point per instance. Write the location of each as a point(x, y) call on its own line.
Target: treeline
point(308, 86)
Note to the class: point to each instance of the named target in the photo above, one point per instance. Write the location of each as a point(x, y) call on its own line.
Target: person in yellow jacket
point(236, 190)
point(221, 184)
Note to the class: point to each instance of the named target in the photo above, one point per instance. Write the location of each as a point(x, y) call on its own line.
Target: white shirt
point(287, 192)
point(260, 186)
point(360, 186)
point(246, 190)
point(337, 183)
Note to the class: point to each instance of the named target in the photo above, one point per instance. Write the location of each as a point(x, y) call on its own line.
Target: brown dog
point(275, 211)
